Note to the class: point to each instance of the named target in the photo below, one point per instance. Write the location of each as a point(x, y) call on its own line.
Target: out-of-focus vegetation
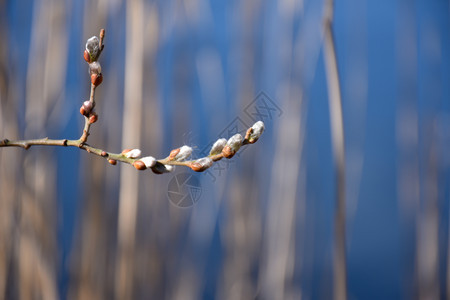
point(189, 72)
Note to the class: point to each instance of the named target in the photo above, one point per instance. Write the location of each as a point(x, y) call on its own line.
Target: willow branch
point(227, 149)
point(26, 144)
point(222, 148)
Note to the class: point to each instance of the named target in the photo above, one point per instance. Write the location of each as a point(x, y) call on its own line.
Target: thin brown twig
point(26, 144)
point(121, 157)
point(87, 123)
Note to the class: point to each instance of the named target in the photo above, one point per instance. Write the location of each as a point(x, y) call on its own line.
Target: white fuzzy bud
point(169, 168)
point(92, 46)
point(235, 142)
point(149, 161)
point(258, 129)
point(218, 146)
point(160, 168)
point(201, 164)
point(184, 153)
point(95, 68)
point(133, 153)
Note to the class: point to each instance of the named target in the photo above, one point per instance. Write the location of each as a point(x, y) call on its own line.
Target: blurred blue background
point(190, 72)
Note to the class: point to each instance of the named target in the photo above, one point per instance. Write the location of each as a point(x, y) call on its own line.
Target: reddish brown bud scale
point(248, 133)
point(82, 110)
point(228, 152)
point(96, 79)
point(112, 161)
point(195, 166)
point(86, 56)
point(104, 153)
point(125, 151)
point(139, 165)
point(93, 118)
point(174, 153)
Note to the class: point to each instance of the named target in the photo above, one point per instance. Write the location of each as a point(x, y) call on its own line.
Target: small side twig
point(222, 148)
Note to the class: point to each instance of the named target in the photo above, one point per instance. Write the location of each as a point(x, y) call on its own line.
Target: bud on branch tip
point(256, 132)
point(92, 48)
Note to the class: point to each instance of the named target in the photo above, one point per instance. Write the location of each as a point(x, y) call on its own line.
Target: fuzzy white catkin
point(134, 153)
point(92, 46)
point(206, 162)
point(235, 142)
point(258, 129)
point(149, 161)
point(201, 164)
point(184, 153)
point(169, 168)
point(95, 68)
point(218, 146)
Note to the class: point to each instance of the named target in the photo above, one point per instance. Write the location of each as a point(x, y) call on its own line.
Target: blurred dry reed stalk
point(417, 140)
point(28, 237)
point(338, 144)
point(280, 252)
